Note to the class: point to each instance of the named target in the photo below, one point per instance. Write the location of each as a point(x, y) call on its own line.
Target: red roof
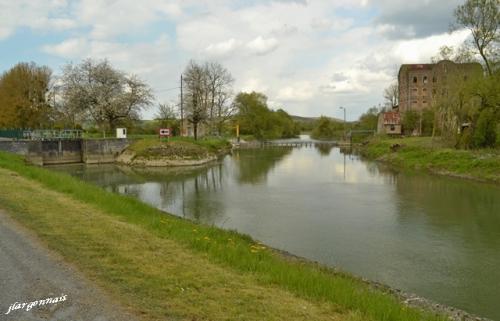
point(392, 118)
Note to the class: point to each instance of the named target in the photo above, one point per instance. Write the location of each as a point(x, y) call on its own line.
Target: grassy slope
point(184, 147)
point(165, 267)
point(432, 155)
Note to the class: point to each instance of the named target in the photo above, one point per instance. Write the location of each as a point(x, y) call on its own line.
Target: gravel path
point(29, 272)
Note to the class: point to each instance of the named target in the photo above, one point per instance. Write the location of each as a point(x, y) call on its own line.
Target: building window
point(425, 102)
point(434, 91)
point(414, 79)
point(425, 79)
point(424, 90)
point(434, 79)
point(414, 90)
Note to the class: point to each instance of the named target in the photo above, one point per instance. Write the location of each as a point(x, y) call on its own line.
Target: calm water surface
point(434, 236)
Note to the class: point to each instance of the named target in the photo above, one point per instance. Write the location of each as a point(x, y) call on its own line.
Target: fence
point(40, 134)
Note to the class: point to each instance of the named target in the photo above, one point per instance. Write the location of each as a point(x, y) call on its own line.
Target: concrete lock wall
point(61, 151)
point(32, 150)
point(99, 151)
point(94, 151)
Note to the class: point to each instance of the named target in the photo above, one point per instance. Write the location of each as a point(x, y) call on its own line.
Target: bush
point(485, 131)
point(428, 116)
point(410, 121)
point(326, 128)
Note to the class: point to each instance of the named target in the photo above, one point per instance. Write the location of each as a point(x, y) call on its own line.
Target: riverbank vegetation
point(160, 266)
point(175, 151)
point(435, 155)
point(326, 128)
point(257, 119)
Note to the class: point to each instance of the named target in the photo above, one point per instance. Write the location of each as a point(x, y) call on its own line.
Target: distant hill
point(311, 119)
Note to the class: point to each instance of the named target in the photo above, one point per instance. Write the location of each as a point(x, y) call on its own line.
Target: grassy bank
point(163, 267)
point(433, 155)
point(178, 146)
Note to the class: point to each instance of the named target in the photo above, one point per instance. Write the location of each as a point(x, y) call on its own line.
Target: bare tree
point(195, 95)
point(207, 94)
point(462, 54)
point(97, 91)
point(391, 95)
point(220, 91)
point(482, 18)
point(166, 112)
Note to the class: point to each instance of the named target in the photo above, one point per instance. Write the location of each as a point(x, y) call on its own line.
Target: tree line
point(95, 95)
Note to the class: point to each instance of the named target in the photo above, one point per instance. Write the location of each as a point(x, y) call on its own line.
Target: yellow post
point(238, 132)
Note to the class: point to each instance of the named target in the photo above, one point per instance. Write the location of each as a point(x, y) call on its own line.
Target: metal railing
point(41, 134)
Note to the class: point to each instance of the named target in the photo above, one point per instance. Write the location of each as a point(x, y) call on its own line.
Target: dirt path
point(30, 272)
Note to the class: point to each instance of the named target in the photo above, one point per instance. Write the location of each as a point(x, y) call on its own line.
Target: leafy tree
point(369, 120)
point(428, 120)
point(24, 96)
point(98, 92)
point(482, 18)
point(410, 121)
point(485, 131)
point(255, 118)
point(327, 128)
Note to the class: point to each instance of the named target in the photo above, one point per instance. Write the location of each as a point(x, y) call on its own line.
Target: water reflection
point(255, 164)
point(323, 149)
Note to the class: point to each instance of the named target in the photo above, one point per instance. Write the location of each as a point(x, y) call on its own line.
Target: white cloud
point(70, 48)
point(222, 48)
point(37, 15)
point(418, 50)
point(298, 92)
point(261, 46)
point(308, 56)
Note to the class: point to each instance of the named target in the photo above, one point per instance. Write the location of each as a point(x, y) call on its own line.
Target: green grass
point(433, 155)
point(315, 284)
point(185, 147)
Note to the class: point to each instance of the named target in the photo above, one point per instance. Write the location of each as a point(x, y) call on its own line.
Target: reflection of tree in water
point(254, 164)
point(463, 222)
point(189, 191)
point(199, 203)
point(323, 149)
point(452, 203)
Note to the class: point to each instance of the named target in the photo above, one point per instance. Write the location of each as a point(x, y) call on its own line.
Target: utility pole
point(182, 111)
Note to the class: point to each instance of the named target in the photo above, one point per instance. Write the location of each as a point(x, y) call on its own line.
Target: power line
point(167, 89)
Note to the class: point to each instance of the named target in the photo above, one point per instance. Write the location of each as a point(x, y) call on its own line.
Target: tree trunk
point(195, 131)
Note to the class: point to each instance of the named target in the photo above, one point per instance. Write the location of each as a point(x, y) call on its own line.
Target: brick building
point(420, 84)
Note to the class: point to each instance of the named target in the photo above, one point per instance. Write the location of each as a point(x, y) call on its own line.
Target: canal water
point(434, 236)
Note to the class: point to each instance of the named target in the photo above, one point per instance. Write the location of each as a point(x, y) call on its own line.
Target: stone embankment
point(130, 158)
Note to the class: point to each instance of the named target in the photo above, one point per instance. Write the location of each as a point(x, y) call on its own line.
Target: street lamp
point(344, 119)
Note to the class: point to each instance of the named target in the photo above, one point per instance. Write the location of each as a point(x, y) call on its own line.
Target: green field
point(164, 268)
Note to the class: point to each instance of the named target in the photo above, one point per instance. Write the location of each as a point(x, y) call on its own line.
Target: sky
point(308, 57)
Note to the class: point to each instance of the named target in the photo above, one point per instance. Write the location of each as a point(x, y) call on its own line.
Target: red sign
point(165, 132)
